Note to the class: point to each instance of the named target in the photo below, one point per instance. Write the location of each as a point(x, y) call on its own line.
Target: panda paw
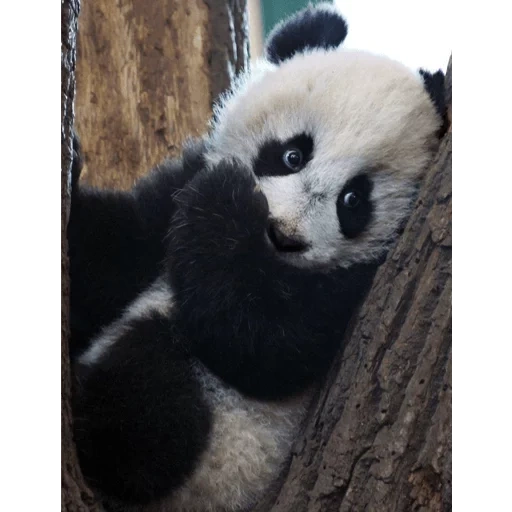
point(221, 211)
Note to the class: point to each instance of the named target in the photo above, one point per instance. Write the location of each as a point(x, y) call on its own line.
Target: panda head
point(337, 139)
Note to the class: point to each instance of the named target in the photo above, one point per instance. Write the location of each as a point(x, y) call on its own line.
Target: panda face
point(337, 140)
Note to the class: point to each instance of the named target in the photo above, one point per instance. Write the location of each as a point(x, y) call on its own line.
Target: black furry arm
point(116, 240)
point(262, 325)
point(140, 420)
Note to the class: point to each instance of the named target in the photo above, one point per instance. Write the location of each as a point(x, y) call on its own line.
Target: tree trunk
point(379, 438)
point(75, 496)
point(147, 75)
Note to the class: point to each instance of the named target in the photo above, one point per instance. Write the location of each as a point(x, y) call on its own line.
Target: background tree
point(147, 75)
point(379, 437)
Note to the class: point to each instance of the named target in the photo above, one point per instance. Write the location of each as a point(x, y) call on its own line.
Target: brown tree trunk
point(147, 75)
point(75, 496)
point(379, 439)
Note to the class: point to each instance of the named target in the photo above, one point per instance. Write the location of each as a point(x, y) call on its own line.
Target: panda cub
point(207, 301)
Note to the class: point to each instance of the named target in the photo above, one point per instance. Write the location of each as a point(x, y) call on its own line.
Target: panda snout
point(282, 241)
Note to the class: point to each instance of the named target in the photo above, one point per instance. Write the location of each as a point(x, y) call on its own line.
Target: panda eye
point(351, 199)
point(292, 158)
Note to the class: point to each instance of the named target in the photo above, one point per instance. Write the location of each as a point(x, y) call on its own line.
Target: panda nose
point(283, 242)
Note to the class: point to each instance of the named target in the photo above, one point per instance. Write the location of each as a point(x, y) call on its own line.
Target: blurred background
point(414, 32)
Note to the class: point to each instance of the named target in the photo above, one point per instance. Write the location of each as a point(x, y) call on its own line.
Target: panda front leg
point(140, 420)
point(104, 230)
point(116, 240)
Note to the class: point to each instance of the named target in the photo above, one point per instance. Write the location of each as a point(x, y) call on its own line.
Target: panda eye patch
point(292, 158)
point(280, 158)
point(354, 206)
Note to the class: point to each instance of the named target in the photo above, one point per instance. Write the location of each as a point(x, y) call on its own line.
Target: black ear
point(313, 27)
point(434, 85)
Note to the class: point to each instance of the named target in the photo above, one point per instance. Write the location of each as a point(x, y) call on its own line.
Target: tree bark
point(75, 495)
point(147, 75)
point(379, 438)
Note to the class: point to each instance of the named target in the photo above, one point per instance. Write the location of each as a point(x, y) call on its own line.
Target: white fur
point(364, 112)
point(250, 443)
point(157, 298)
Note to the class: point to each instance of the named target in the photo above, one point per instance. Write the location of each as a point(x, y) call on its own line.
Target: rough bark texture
point(147, 75)
point(75, 496)
point(379, 438)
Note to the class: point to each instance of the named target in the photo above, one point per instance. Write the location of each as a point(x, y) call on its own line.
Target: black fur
point(261, 325)
point(116, 241)
point(264, 326)
point(434, 85)
point(353, 221)
point(308, 29)
point(140, 420)
point(269, 161)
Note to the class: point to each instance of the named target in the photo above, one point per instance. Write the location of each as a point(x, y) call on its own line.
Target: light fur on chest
point(250, 443)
